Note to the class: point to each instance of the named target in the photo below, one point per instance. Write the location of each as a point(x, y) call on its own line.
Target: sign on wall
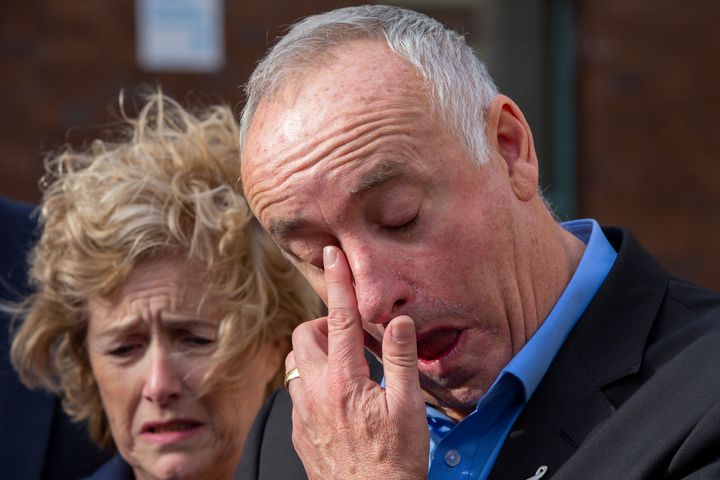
point(180, 35)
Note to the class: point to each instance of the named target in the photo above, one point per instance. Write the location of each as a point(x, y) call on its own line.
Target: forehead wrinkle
point(268, 192)
point(345, 115)
point(365, 118)
point(348, 128)
point(125, 323)
point(356, 129)
point(265, 181)
point(319, 159)
point(127, 314)
point(369, 137)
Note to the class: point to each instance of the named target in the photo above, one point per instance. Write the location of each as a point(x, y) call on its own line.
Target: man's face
point(349, 155)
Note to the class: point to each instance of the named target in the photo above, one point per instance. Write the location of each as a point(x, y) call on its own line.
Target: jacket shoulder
point(268, 452)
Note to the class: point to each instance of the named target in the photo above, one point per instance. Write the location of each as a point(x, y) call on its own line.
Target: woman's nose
point(163, 383)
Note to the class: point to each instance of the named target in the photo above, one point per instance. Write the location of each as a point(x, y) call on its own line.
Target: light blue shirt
point(468, 449)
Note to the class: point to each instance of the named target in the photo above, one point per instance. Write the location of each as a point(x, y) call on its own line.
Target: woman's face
point(149, 347)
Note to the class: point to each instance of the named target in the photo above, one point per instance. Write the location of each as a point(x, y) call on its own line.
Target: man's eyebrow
point(381, 173)
point(283, 228)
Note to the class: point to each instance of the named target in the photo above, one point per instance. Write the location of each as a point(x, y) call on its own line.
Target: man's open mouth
point(437, 344)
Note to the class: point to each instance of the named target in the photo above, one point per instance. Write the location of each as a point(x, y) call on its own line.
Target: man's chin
point(445, 396)
point(452, 407)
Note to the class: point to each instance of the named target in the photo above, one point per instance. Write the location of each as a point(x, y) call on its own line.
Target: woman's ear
point(509, 135)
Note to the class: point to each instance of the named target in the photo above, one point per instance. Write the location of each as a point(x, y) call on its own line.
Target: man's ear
point(509, 135)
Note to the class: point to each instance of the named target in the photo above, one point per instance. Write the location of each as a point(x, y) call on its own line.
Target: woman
point(162, 312)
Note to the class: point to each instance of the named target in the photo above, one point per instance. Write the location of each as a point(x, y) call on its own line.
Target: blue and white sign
point(180, 35)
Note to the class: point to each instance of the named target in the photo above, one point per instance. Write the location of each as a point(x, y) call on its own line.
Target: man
point(37, 439)
point(379, 155)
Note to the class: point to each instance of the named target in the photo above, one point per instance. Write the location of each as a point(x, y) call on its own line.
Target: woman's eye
point(195, 340)
point(125, 350)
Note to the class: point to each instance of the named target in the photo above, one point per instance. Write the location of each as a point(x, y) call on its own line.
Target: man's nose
point(163, 383)
point(381, 290)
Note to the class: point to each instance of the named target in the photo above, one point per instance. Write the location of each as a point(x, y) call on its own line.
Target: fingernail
point(329, 256)
point(403, 331)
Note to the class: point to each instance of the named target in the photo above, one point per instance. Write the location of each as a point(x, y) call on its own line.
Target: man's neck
point(555, 256)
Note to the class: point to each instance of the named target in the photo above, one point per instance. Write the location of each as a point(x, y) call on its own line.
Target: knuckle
point(307, 331)
point(296, 336)
point(301, 330)
point(290, 360)
point(338, 386)
point(341, 317)
point(342, 391)
point(301, 335)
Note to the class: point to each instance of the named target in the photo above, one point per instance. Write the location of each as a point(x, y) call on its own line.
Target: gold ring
point(291, 375)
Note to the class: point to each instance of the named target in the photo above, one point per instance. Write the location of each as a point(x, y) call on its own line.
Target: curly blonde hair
point(167, 186)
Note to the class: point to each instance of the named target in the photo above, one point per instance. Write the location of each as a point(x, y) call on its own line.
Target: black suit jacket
point(37, 440)
point(634, 392)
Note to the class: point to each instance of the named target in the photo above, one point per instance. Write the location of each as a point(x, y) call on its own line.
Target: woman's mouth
point(170, 431)
point(173, 427)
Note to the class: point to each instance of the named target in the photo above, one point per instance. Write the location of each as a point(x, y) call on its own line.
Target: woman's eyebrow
point(123, 325)
point(176, 319)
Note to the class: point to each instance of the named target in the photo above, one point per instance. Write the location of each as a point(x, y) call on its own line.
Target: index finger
point(345, 333)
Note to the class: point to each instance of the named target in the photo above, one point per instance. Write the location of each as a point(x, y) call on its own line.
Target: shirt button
point(452, 458)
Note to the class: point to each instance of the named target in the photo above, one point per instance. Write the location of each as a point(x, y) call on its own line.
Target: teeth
point(174, 427)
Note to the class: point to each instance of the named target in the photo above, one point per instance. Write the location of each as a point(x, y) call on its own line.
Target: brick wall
point(648, 102)
point(63, 64)
point(649, 126)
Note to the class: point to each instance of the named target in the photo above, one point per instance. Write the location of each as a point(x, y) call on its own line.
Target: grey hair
point(460, 86)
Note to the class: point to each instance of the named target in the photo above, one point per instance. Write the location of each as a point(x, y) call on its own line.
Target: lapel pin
point(540, 473)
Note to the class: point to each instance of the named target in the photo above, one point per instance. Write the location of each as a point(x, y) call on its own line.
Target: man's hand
point(345, 426)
